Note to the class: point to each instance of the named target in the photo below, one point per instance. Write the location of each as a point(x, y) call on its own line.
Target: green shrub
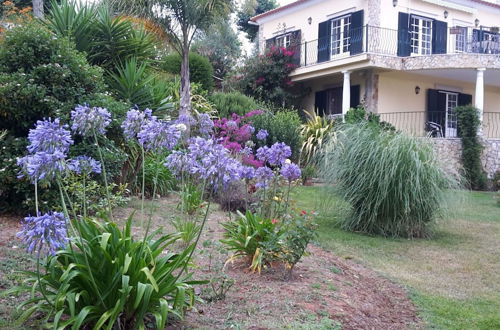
point(283, 126)
point(41, 76)
point(157, 174)
point(360, 115)
point(393, 182)
point(109, 279)
point(315, 132)
point(468, 126)
point(200, 69)
point(234, 102)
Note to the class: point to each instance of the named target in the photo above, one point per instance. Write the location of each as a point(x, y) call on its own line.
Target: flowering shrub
point(266, 77)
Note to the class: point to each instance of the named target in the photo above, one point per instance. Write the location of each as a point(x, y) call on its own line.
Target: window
point(451, 122)
point(341, 40)
point(284, 40)
point(421, 35)
point(461, 39)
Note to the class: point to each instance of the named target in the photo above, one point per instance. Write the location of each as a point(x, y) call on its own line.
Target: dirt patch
point(325, 292)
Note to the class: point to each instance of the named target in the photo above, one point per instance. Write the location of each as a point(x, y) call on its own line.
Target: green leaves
point(132, 279)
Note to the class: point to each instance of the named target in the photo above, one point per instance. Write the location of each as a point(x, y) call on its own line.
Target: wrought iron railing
point(438, 124)
point(383, 41)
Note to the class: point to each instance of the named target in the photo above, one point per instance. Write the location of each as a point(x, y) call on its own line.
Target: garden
point(151, 179)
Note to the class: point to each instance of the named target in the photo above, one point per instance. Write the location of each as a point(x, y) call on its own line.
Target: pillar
point(346, 92)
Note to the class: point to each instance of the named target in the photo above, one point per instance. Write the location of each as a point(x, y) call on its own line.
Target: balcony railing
point(438, 124)
point(383, 41)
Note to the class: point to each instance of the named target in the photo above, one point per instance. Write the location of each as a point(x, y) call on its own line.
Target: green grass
point(453, 276)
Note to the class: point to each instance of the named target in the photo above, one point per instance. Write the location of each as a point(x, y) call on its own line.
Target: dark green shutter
point(436, 108)
point(324, 40)
point(356, 32)
point(403, 34)
point(464, 99)
point(439, 37)
point(477, 37)
point(320, 102)
point(295, 44)
point(270, 42)
point(355, 97)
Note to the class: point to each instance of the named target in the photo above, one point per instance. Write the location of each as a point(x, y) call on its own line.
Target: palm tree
point(181, 20)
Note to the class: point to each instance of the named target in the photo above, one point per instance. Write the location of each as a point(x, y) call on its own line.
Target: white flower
point(288, 161)
point(181, 127)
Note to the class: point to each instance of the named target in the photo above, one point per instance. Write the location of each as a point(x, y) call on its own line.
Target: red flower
point(303, 212)
point(274, 221)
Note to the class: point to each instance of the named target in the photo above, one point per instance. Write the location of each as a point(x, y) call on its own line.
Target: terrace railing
point(383, 41)
point(438, 124)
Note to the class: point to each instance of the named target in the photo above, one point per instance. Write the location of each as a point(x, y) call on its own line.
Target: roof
point(299, 2)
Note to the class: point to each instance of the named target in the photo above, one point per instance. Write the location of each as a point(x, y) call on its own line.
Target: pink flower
point(274, 221)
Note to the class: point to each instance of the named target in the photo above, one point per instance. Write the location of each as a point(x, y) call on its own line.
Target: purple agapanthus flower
point(263, 176)
point(247, 172)
point(44, 231)
point(186, 119)
point(87, 120)
point(156, 135)
point(262, 134)
point(290, 171)
point(274, 155)
point(84, 165)
point(135, 120)
point(49, 136)
point(42, 165)
point(206, 125)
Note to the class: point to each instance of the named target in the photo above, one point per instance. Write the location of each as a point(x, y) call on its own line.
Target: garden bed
point(325, 291)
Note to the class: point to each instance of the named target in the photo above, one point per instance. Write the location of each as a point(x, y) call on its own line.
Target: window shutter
point(356, 32)
point(270, 42)
point(477, 37)
point(436, 108)
point(324, 40)
point(320, 102)
point(355, 101)
point(403, 34)
point(439, 37)
point(464, 99)
point(295, 44)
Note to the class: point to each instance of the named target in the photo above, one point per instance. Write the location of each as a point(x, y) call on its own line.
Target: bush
point(284, 126)
point(110, 278)
point(200, 69)
point(41, 76)
point(392, 181)
point(315, 132)
point(234, 102)
point(156, 174)
point(468, 125)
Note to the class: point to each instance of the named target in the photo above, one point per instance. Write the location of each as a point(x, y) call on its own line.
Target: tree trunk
point(38, 8)
point(185, 102)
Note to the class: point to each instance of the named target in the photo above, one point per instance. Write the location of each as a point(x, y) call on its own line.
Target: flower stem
point(104, 175)
point(143, 185)
point(36, 198)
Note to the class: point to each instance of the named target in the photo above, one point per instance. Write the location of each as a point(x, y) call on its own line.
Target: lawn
point(452, 277)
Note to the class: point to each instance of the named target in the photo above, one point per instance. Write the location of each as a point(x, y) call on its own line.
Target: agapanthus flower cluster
point(205, 160)
point(45, 231)
point(262, 134)
point(247, 172)
point(49, 136)
point(274, 155)
point(89, 120)
point(290, 171)
point(135, 120)
point(156, 135)
point(186, 119)
point(263, 176)
point(206, 125)
point(84, 165)
point(42, 165)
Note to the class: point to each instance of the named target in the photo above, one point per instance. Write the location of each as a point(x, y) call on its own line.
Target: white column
point(346, 92)
point(479, 96)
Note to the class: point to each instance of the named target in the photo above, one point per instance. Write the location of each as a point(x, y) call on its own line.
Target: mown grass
point(452, 277)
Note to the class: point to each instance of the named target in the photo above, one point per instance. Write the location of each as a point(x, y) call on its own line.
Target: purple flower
point(206, 125)
point(247, 172)
point(84, 165)
point(290, 171)
point(263, 176)
point(275, 155)
point(47, 230)
point(49, 136)
point(262, 134)
point(232, 125)
point(247, 151)
point(251, 129)
point(156, 135)
point(87, 120)
point(42, 165)
point(186, 119)
point(135, 120)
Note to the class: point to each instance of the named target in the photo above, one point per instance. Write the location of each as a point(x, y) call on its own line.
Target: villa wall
point(449, 153)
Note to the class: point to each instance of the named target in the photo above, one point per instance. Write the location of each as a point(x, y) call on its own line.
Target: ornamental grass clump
point(392, 181)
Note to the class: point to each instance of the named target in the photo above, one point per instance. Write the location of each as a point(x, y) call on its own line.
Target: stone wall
point(449, 152)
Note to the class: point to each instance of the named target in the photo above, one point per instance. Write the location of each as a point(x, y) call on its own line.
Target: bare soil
point(324, 292)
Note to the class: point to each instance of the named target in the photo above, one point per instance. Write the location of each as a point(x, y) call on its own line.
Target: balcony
point(382, 41)
point(438, 124)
